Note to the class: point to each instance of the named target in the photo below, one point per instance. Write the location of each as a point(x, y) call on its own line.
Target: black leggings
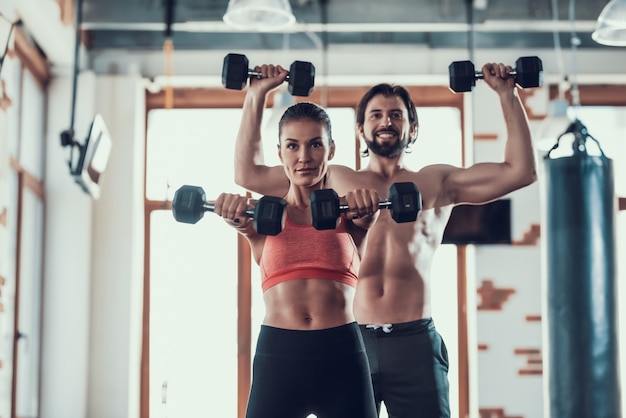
point(322, 372)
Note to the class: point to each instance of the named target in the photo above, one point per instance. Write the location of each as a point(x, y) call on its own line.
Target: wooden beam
point(68, 12)
point(596, 95)
point(463, 332)
point(144, 367)
point(244, 325)
point(31, 58)
point(191, 98)
point(43, 20)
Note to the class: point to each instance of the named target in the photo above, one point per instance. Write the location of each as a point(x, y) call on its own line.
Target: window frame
point(30, 60)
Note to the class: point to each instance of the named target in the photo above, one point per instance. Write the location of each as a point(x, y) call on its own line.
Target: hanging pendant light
point(611, 25)
point(259, 15)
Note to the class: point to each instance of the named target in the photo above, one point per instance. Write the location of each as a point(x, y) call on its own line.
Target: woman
point(310, 357)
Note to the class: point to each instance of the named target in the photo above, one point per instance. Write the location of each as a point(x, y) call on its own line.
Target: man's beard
point(386, 150)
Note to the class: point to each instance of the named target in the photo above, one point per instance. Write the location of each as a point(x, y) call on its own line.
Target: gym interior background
point(109, 308)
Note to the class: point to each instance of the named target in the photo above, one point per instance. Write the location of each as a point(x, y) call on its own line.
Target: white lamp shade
point(611, 26)
point(259, 15)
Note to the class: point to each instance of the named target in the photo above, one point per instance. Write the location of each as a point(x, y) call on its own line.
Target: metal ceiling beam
point(502, 26)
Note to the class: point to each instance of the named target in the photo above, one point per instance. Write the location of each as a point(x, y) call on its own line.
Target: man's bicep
point(480, 183)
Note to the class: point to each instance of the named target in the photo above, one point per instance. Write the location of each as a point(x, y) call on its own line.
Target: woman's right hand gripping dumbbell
point(232, 207)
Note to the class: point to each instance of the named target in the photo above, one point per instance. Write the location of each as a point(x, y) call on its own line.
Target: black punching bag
point(581, 282)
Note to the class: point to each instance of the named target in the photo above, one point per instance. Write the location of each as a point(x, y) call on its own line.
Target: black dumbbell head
point(325, 209)
point(187, 205)
point(301, 78)
point(235, 71)
point(406, 202)
point(529, 72)
point(269, 215)
point(462, 76)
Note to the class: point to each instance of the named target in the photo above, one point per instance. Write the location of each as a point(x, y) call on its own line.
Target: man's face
point(386, 129)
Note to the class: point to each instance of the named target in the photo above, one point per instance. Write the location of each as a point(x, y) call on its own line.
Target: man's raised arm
point(250, 169)
point(484, 182)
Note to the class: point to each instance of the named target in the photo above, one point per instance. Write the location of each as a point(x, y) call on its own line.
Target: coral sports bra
point(303, 252)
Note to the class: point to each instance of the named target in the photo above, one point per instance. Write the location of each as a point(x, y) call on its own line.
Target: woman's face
point(305, 151)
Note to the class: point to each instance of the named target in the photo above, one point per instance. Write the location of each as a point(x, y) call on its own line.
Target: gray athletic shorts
point(409, 366)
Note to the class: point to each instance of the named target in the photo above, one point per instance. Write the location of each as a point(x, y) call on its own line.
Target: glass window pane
point(181, 143)
point(191, 146)
point(439, 142)
point(29, 326)
point(193, 317)
point(8, 244)
point(620, 245)
point(32, 126)
point(193, 267)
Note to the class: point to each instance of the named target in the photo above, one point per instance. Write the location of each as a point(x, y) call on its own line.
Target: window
point(193, 268)
point(22, 109)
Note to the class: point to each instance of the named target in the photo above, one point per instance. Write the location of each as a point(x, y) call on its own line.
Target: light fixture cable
point(576, 127)
point(68, 136)
point(168, 51)
point(575, 43)
point(324, 21)
point(471, 31)
point(558, 51)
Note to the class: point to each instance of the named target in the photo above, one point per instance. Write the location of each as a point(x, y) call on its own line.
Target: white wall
point(118, 241)
point(94, 259)
point(67, 262)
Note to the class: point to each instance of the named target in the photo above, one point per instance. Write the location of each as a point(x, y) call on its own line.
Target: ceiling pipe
point(505, 26)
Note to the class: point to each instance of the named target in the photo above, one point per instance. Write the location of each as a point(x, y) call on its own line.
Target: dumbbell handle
point(252, 73)
point(479, 75)
point(383, 204)
point(210, 207)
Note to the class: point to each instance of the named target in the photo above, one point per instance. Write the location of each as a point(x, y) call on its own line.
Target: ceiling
point(197, 24)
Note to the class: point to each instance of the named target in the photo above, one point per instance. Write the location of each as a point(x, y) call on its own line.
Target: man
point(408, 358)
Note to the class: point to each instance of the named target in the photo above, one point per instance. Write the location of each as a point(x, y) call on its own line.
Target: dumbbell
point(528, 72)
point(404, 202)
point(189, 205)
point(236, 71)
